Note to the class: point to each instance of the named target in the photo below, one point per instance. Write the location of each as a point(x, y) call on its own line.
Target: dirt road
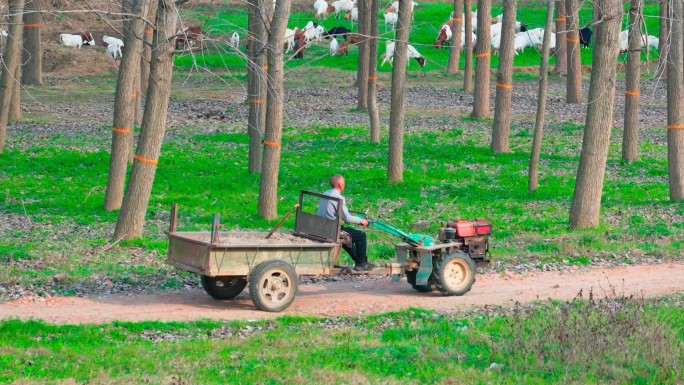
point(356, 297)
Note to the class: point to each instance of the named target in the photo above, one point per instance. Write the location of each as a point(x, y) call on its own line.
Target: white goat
point(234, 40)
point(289, 39)
point(112, 40)
point(333, 47)
point(320, 9)
point(70, 40)
point(411, 52)
point(391, 20)
point(340, 6)
point(114, 51)
point(395, 7)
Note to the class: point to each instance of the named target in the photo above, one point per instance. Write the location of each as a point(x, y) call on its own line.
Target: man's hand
point(364, 222)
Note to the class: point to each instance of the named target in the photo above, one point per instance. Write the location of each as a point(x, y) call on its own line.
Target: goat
point(337, 31)
point(70, 40)
point(321, 9)
point(411, 52)
point(300, 44)
point(114, 51)
point(444, 35)
point(234, 40)
point(289, 39)
point(107, 40)
point(343, 48)
point(391, 20)
point(394, 7)
point(339, 6)
point(190, 37)
point(333, 47)
point(352, 15)
point(585, 36)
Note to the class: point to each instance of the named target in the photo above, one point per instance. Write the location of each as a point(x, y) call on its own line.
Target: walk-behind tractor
point(271, 262)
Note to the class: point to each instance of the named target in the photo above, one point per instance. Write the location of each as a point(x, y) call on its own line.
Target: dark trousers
point(357, 250)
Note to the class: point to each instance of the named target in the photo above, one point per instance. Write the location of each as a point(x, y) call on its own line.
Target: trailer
point(270, 263)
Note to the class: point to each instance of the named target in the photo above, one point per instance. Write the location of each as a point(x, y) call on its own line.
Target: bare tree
point(362, 68)
point(124, 105)
point(268, 189)
point(574, 80)
point(257, 81)
point(147, 46)
point(482, 57)
point(561, 53)
point(630, 140)
point(586, 202)
point(504, 80)
point(15, 103)
point(373, 112)
point(541, 102)
point(32, 74)
point(663, 42)
point(455, 47)
point(11, 61)
point(675, 102)
point(395, 158)
point(132, 215)
point(468, 68)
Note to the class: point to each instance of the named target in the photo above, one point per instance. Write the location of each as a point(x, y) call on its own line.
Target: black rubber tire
point(223, 287)
point(454, 273)
point(429, 288)
point(273, 285)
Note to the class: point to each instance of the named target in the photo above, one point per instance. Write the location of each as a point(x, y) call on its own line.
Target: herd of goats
point(297, 40)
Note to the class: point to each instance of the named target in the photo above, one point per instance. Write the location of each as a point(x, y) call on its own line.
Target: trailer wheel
point(429, 288)
point(273, 285)
point(454, 273)
point(223, 287)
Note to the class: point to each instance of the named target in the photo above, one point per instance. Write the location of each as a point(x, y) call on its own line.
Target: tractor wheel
point(454, 273)
point(225, 287)
point(273, 285)
point(429, 288)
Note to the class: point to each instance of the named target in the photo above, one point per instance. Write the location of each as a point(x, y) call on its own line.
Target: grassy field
point(428, 19)
point(603, 340)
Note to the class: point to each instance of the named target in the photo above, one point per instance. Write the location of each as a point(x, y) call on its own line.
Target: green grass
point(592, 340)
point(223, 22)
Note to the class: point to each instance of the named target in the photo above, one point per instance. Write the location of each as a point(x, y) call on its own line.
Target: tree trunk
point(574, 80)
point(132, 215)
point(541, 102)
point(663, 28)
point(32, 74)
point(147, 46)
point(455, 47)
point(124, 106)
point(561, 53)
point(257, 82)
point(268, 189)
point(675, 102)
point(373, 112)
point(468, 68)
point(586, 202)
point(504, 81)
point(15, 103)
point(482, 57)
point(11, 58)
point(362, 69)
point(630, 140)
point(395, 158)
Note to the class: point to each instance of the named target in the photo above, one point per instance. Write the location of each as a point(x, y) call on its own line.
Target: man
point(328, 209)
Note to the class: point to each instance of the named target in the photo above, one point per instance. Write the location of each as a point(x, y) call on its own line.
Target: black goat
point(337, 31)
point(585, 36)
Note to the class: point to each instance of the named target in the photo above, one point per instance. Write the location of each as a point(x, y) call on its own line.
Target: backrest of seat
point(310, 225)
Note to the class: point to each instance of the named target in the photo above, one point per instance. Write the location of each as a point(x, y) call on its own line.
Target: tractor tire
point(429, 288)
point(273, 285)
point(454, 273)
point(223, 287)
